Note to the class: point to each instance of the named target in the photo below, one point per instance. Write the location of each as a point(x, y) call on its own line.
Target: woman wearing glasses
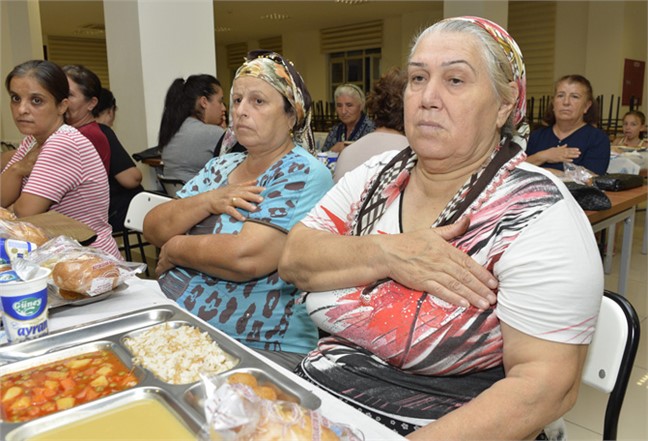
point(221, 240)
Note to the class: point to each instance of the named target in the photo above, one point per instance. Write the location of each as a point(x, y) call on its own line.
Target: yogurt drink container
point(10, 249)
point(24, 306)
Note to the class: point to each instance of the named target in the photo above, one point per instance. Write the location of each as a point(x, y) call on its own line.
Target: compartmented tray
point(184, 401)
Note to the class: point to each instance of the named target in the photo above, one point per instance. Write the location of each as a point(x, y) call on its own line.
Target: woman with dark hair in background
point(85, 88)
point(385, 107)
point(55, 166)
point(124, 177)
point(571, 134)
point(104, 111)
point(190, 127)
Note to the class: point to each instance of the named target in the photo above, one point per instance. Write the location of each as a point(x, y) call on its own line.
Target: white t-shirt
point(528, 230)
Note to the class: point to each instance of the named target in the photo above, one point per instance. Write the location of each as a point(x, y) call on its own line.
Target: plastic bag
point(20, 230)
point(578, 174)
point(79, 271)
point(7, 214)
point(235, 412)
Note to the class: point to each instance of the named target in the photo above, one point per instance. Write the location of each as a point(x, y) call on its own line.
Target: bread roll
point(267, 391)
point(7, 214)
point(24, 231)
point(243, 378)
point(34, 234)
point(88, 275)
point(290, 423)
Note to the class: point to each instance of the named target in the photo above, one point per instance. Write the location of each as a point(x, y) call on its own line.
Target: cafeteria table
point(624, 205)
point(140, 294)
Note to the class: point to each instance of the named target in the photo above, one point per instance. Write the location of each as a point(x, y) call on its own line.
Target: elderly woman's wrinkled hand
point(226, 200)
point(164, 263)
point(424, 260)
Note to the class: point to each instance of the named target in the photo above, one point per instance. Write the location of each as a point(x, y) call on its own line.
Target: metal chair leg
point(126, 240)
point(140, 245)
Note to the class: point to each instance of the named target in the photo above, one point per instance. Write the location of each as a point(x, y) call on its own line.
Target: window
point(359, 67)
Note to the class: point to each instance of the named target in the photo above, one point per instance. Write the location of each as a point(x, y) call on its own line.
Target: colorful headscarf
point(514, 56)
point(282, 75)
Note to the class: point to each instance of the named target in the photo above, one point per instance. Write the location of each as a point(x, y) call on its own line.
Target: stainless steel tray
point(185, 400)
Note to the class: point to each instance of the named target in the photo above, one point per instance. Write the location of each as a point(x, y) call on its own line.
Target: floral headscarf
point(514, 56)
point(282, 75)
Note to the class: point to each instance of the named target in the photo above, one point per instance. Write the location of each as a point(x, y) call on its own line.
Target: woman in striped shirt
point(55, 167)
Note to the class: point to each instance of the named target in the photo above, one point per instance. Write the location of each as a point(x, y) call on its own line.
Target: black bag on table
point(618, 181)
point(153, 152)
point(589, 198)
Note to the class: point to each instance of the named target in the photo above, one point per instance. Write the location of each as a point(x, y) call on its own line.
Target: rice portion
point(177, 355)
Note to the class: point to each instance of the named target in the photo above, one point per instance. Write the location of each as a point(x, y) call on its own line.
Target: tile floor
point(585, 420)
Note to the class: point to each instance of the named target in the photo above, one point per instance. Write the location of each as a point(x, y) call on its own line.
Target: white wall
point(413, 24)
point(177, 40)
point(392, 53)
point(605, 72)
point(594, 38)
point(303, 49)
point(149, 45)
point(20, 41)
point(571, 38)
point(495, 10)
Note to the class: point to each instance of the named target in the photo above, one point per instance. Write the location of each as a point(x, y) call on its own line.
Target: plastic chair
point(611, 355)
point(170, 185)
point(141, 204)
point(356, 154)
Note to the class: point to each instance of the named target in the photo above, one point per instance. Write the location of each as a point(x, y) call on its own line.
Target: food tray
point(56, 301)
point(184, 400)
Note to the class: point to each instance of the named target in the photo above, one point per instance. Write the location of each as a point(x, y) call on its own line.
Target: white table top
point(145, 293)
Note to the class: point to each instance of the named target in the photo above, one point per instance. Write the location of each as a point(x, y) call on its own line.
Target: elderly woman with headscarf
point(221, 240)
point(381, 273)
point(354, 122)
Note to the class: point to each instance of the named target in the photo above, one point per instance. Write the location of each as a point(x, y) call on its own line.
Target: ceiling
point(245, 20)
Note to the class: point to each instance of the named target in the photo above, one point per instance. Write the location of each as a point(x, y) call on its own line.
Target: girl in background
point(634, 125)
point(191, 125)
point(125, 179)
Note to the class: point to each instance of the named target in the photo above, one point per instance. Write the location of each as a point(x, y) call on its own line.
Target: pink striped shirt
point(70, 173)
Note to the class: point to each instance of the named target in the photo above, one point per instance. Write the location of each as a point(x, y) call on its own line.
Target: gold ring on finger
point(233, 201)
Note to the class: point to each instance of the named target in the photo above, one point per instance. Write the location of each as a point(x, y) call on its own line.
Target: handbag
point(589, 197)
point(618, 181)
point(153, 152)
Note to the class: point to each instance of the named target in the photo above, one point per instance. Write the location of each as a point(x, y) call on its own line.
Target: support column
point(496, 10)
point(149, 44)
point(20, 40)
